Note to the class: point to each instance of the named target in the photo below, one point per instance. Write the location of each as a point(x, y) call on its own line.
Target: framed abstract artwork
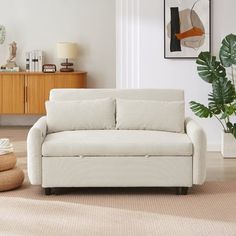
point(187, 28)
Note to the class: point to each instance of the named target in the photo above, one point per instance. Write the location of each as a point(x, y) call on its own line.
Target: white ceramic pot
point(228, 145)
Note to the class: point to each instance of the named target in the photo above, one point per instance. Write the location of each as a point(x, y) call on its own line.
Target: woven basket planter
point(7, 162)
point(11, 179)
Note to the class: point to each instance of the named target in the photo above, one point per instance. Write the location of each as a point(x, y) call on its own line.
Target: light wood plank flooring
point(218, 169)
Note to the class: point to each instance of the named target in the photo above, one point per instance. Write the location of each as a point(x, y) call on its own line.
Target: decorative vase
point(228, 145)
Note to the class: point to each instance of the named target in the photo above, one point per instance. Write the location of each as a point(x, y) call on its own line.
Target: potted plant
point(222, 99)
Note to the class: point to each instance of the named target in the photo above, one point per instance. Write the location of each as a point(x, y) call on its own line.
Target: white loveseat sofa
point(116, 138)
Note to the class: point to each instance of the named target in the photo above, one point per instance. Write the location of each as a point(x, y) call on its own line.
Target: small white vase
point(228, 145)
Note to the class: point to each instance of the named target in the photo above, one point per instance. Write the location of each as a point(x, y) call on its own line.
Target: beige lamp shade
point(66, 50)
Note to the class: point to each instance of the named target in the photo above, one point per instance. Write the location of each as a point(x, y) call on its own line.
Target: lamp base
point(67, 67)
point(66, 70)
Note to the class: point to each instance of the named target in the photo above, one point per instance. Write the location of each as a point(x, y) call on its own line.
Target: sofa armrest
point(35, 139)
point(198, 138)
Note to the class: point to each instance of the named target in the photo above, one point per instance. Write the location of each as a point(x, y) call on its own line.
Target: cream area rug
point(33, 217)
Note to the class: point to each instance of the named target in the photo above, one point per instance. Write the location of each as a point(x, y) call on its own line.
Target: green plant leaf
point(208, 68)
point(215, 108)
point(200, 110)
point(233, 131)
point(232, 128)
point(229, 125)
point(223, 93)
point(228, 51)
point(229, 111)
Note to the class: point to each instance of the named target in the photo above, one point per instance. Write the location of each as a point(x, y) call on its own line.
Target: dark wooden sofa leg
point(178, 190)
point(184, 190)
point(48, 191)
point(181, 190)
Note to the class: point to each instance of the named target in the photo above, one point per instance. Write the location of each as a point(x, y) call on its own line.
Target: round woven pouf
point(7, 162)
point(11, 179)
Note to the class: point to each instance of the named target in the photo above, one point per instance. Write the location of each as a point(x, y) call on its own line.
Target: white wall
point(157, 72)
point(35, 24)
point(41, 24)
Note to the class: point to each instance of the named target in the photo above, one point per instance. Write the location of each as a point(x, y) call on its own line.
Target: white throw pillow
point(80, 115)
point(150, 115)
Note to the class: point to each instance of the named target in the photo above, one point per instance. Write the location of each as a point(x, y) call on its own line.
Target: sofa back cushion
point(150, 115)
point(80, 115)
point(132, 94)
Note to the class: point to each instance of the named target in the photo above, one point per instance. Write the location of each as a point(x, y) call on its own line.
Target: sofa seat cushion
point(116, 143)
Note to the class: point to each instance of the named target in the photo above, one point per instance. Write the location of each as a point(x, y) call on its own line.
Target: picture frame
point(187, 28)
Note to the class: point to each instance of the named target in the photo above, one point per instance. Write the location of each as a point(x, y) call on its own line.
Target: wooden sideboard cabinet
point(26, 93)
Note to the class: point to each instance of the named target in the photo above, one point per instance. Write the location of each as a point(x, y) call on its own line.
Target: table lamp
point(66, 51)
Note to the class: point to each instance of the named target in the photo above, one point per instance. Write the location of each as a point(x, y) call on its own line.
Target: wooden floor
point(218, 169)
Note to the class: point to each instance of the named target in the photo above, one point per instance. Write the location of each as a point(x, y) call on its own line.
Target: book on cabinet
point(34, 61)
